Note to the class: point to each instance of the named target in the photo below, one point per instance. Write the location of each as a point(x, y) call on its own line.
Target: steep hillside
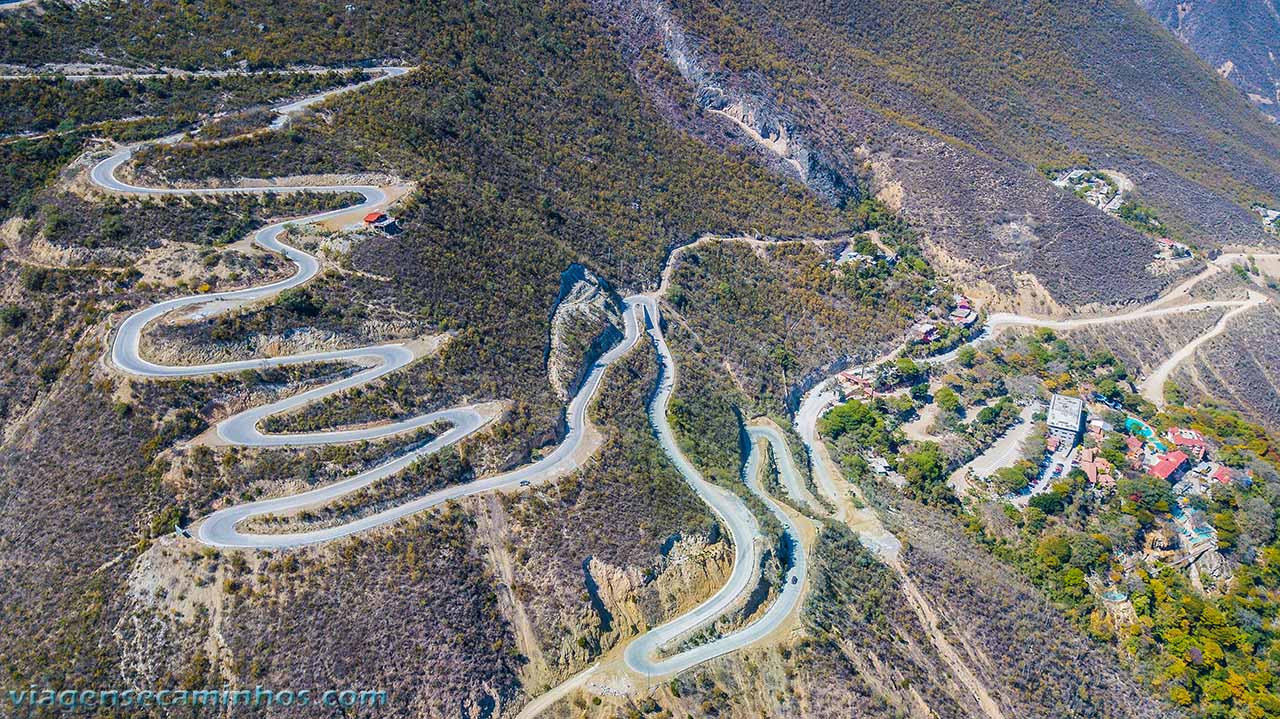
point(550, 153)
point(944, 108)
point(1017, 640)
point(531, 151)
point(1239, 39)
point(947, 108)
point(1239, 369)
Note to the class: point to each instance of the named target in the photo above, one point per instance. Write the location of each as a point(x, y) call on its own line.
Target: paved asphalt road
point(219, 529)
point(791, 478)
point(641, 655)
point(641, 315)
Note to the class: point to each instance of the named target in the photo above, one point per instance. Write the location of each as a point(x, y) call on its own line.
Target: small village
point(1047, 441)
point(1094, 187)
point(1080, 439)
point(1109, 192)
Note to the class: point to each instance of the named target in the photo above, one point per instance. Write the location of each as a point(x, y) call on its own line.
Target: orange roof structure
point(1169, 464)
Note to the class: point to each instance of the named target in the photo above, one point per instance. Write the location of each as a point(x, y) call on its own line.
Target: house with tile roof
point(1170, 466)
point(1189, 441)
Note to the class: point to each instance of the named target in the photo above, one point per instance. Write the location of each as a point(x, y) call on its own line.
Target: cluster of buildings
point(1093, 187)
point(1172, 456)
point(1180, 456)
point(859, 382)
point(850, 255)
point(1101, 473)
point(962, 314)
point(1183, 458)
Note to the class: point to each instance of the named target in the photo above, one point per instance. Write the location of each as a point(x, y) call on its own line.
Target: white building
point(1066, 417)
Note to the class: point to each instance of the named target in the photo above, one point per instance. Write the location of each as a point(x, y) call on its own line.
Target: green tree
point(1048, 502)
point(298, 301)
point(1147, 493)
point(948, 400)
point(1015, 478)
point(925, 470)
point(907, 369)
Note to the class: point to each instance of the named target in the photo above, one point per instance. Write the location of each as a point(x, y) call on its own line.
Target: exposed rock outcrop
point(586, 322)
point(743, 100)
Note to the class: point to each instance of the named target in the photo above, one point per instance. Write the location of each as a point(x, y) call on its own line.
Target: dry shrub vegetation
point(135, 225)
point(589, 173)
point(483, 245)
point(625, 509)
point(1239, 369)
point(957, 104)
point(1144, 344)
point(48, 103)
point(412, 611)
point(1037, 663)
point(771, 318)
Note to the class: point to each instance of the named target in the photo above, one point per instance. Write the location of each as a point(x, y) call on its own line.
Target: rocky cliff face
point(586, 322)
point(742, 99)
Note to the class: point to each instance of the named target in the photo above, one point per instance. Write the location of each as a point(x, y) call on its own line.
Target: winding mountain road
point(643, 655)
point(1152, 388)
point(641, 315)
point(219, 529)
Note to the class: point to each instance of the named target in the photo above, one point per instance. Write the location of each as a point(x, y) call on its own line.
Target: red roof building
point(1096, 468)
point(1170, 466)
point(374, 217)
point(1134, 455)
point(1188, 440)
point(858, 382)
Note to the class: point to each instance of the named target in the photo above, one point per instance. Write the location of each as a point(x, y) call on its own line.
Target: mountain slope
point(605, 133)
point(1239, 39)
point(946, 107)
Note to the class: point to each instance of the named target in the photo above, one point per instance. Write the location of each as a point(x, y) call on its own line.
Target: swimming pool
point(1141, 429)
